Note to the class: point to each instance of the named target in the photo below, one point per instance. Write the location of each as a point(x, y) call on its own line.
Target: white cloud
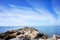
point(26, 17)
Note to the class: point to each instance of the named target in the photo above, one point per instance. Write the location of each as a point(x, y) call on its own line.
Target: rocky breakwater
point(26, 33)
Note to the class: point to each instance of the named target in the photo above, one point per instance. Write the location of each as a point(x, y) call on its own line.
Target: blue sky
point(29, 12)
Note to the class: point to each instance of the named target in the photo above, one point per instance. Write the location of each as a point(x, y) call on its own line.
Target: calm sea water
point(54, 30)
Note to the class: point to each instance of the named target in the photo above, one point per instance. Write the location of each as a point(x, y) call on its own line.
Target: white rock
point(58, 39)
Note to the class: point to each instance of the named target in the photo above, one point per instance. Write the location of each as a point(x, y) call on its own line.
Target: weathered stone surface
point(26, 33)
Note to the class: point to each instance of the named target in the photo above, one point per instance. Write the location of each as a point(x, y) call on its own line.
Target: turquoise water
point(54, 30)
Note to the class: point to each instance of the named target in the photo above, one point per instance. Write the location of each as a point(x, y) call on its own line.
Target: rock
point(24, 38)
point(26, 33)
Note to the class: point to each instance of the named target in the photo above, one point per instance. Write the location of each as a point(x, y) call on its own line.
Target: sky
point(29, 12)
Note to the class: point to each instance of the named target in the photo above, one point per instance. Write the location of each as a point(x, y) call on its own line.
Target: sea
point(48, 30)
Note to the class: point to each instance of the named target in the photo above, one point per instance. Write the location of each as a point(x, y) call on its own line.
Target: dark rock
point(9, 32)
point(18, 33)
point(9, 37)
point(2, 36)
point(24, 38)
point(39, 35)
